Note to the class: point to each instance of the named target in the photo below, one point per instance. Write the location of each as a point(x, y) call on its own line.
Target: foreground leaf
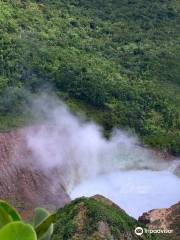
point(43, 227)
point(10, 210)
point(17, 231)
point(5, 218)
point(39, 216)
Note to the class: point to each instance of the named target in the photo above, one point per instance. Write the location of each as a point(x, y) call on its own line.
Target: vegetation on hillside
point(118, 60)
point(96, 219)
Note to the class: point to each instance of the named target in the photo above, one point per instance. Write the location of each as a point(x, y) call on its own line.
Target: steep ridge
point(97, 218)
point(22, 184)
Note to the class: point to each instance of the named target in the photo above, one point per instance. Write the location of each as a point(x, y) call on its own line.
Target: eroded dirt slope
point(164, 218)
point(22, 184)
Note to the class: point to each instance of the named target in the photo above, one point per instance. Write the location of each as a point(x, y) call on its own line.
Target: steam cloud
point(77, 148)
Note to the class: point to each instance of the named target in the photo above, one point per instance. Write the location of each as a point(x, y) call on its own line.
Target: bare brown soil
point(22, 184)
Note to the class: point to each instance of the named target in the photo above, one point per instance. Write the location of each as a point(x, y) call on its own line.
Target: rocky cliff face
point(22, 184)
point(165, 218)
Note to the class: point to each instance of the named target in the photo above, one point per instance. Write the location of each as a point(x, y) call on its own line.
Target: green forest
point(118, 61)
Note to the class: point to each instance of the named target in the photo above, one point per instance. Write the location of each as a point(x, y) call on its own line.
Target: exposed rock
point(20, 183)
point(165, 218)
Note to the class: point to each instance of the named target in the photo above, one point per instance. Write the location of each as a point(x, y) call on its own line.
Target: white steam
point(77, 149)
point(135, 191)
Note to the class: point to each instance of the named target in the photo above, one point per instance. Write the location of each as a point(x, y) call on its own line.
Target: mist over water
point(78, 149)
point(135, 191)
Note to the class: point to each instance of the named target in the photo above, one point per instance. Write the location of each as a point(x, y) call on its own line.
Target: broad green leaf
point(10, 210)
point(17, 231)
point(40, 215)
point(43, 227)
point(5, 218)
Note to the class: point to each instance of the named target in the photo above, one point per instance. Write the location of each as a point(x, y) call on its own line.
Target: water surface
point(135, 191)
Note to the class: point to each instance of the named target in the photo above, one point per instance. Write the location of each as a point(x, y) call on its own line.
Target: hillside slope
point(118, 60)
point(97, 218)
point(21, 183)
point(165, 218)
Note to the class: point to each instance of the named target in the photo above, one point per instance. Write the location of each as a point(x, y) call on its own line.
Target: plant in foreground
point(12, 226)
